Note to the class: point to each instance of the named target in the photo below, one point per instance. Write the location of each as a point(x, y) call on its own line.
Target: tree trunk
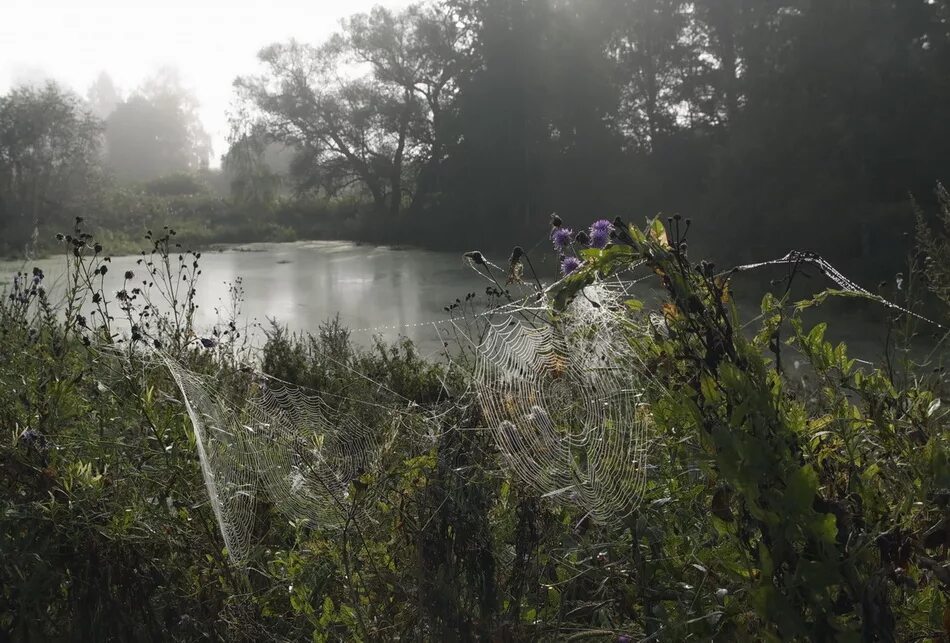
point(396, 176)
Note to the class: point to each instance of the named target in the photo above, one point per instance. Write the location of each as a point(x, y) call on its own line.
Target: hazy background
point(210, 42)
point(452, 124)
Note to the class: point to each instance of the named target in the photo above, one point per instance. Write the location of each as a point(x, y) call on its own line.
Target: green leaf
point(708, 387)
point(817, 335)
point(825, 527)
point(634, 304)
point(801, 490)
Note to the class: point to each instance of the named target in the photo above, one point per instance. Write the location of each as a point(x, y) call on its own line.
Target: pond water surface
point(379, 290)
point(374, 289)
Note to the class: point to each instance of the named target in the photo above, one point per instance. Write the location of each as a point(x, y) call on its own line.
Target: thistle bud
point(476, 257)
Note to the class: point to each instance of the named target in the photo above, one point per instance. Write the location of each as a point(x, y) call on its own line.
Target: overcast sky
point(210, 41)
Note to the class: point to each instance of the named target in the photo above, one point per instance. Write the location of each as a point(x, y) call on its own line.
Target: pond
point(374, 289)
point(383, 290)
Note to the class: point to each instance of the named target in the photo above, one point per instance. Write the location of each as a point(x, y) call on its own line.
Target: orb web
point(565, 399)
point(222, 446)
point(263, 440)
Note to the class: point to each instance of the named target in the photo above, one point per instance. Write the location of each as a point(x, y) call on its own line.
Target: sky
point(209, 41)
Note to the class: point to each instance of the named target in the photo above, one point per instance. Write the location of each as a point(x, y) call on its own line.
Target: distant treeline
point(773, 124)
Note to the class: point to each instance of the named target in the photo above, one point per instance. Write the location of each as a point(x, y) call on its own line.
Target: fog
point(210, 42)
point(459, 123)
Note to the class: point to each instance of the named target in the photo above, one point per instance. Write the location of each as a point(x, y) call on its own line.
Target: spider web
point(565, 398)
point(565, 395)
point(261, 440)
point(799, 257)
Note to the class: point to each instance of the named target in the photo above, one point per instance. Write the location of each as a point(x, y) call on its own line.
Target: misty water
point(375, 289)
point(381, 290)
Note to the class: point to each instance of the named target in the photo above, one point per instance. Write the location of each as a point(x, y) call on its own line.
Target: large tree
point(840, 116)
point(49, 159)
point(364, 109)
point(652, 50)
point(251, 177)
point(157, 131)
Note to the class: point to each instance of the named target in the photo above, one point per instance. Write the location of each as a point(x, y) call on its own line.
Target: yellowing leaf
point(658, 233)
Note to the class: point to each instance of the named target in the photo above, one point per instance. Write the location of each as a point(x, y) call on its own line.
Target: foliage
point(379, 130)
point(779, 505)
point(934, 244)
point(179, 184)
point(759, 116)
point(762, 117)
point(156, 131)
point(49, 160)
point(252, 179)
point(830, 499)
point(98, 478)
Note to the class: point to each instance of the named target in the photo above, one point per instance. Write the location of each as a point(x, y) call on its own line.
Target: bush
point(179, 184)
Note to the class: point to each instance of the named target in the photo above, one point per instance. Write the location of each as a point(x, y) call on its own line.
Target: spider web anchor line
point(797, 257)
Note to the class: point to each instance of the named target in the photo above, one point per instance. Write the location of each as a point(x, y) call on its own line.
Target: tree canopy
point(156, 131)
point(49, 159)
point(780, 116)
point(364, 109)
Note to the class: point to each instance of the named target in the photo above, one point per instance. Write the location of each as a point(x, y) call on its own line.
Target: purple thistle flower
point(561, 237)
point(600, 233)
point(599, 238)
point(569, 265)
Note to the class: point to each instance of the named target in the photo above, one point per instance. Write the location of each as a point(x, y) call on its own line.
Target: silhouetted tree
point(376, 131)
point(49, 159)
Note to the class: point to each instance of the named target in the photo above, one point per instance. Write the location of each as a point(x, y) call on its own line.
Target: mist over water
point(374, 289)
point(691, 387)
point(389, 292)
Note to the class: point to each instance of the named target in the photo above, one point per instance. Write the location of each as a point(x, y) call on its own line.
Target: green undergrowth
point(778, 506)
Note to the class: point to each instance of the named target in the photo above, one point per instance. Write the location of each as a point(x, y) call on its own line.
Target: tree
point(49, 158)
point(378, 129)
point(103, 96)
point(252, 179)
point(503, 130)
point(652, 50)
point(536, 114)
point(417, 51)
point(157, 131)
point(839, 119)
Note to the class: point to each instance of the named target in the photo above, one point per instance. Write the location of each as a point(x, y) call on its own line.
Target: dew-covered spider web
point(798, 258)
point(261, 440)
point(565, 396)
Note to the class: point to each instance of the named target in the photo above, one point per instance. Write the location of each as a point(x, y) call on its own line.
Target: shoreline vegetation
point(776, 502)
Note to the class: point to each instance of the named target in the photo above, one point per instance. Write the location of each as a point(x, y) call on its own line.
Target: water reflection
point(384, 290)
point(302, 284)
